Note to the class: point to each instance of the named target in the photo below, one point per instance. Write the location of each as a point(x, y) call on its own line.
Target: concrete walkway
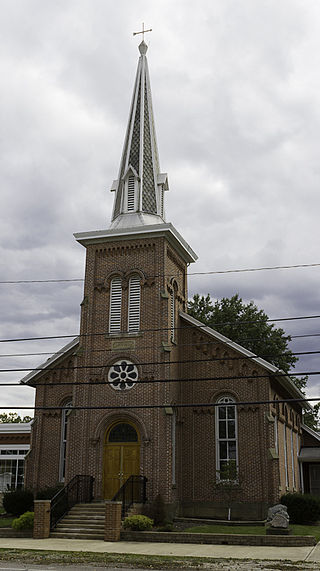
point(174, 549)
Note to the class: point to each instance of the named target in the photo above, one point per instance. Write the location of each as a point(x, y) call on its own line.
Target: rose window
point(122, 375)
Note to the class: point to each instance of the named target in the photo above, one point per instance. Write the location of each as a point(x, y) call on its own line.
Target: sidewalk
point(311, 554)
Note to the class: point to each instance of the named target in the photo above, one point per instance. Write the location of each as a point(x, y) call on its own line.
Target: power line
point(212, 272)
point(157, 329)
point(164, 381)
point(179, 362)
point(163, 406)
point(216, 342)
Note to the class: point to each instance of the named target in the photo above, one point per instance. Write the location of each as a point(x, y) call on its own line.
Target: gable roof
point(284, 380)
point(59, 355)
point(311, 432)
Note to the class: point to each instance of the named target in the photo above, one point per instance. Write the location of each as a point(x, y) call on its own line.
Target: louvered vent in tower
point(131, 189)
point(115, 306)
point(134, 304)
point(161, 202)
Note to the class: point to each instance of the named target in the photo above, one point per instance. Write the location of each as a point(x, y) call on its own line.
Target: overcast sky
point(236, 96)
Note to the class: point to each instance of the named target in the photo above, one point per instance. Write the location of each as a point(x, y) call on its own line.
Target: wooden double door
point(121, 456)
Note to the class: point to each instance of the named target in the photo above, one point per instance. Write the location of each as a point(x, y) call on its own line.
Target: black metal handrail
point(78, 490)
point(134, 490)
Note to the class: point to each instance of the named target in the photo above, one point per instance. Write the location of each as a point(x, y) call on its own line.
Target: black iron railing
point(134, 490)
point(78, 490)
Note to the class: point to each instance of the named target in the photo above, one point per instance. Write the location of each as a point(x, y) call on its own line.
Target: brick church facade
point(147, 389)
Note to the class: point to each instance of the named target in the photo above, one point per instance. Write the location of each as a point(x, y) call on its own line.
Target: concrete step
point(80, 525)
point(78, 528)
point(76, 535)
point(85, 520)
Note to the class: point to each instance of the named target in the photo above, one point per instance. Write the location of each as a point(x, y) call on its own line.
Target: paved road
point(226, 565)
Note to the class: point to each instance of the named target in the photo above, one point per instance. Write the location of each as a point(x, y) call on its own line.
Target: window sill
point(123, 335)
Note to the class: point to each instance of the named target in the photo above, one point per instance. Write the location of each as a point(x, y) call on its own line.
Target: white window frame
point(292, 461)
point(63, 439)
point(285, 454)
point(22, 451)
point(115, 305)
point(134, 303)
point(276, 437)
point(172, 315)
point(225, 401)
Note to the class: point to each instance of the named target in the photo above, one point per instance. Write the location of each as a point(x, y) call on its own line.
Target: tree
point(249, 326)
point(13, 417)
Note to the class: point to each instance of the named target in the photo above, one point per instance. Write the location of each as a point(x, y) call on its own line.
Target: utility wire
point(164, 381)
point(180, 362)
point(163, 406)
point(216, 342)
point(213, 272)
point(158, 329)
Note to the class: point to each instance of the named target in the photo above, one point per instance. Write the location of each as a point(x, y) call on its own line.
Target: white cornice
point(61, 354)
point(166, 230)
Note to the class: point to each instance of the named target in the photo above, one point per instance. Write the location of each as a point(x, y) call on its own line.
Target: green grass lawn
point(253, 529)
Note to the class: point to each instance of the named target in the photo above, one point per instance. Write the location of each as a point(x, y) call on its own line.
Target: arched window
point(63, 440)
point(115, 305)
point(134, 296)
point(172, 314)
point(226, 439)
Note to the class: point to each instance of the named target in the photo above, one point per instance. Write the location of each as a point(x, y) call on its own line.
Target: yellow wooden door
point(121, 459)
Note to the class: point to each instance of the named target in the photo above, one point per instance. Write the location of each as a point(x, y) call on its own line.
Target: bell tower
point(135, 286)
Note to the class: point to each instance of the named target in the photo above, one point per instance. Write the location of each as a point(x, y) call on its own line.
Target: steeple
point(139, 189)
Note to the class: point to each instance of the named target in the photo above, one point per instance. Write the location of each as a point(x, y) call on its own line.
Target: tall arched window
point(115, 305)
point(134, 296)
point(226, 439)
point(63, 440)
point(172, 315)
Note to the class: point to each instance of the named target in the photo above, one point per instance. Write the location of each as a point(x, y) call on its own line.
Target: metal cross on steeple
point(143, 32)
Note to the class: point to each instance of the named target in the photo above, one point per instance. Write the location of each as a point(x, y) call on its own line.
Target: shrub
point(166, 527)
point(25, 521)
point(48, 492)
point(18, 502)
point(302, 508)
point(138, 523)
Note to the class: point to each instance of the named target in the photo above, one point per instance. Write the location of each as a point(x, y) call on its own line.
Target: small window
point(123, 432)
point(134, 304)
point(131, 193)
point(115, 306)
point(122, 375)
point(161, 202)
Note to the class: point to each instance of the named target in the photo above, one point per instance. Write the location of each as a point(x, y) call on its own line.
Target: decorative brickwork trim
point(112, 524)
point(41, 527)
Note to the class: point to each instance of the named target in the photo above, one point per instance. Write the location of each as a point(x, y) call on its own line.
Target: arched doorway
point(121, 458)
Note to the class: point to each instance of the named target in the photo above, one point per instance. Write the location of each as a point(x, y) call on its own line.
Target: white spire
point(140, 186)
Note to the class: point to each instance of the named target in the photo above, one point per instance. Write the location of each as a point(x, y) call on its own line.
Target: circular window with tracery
point(123, 375)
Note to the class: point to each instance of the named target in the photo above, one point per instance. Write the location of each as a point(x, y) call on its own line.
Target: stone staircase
point(84, 521)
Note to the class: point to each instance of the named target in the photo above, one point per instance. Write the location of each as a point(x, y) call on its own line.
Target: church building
point(146, 389)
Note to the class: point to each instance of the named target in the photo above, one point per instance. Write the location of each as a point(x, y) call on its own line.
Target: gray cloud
point(236, 99)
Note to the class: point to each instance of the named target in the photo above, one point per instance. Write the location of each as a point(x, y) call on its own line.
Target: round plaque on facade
point(122, 375)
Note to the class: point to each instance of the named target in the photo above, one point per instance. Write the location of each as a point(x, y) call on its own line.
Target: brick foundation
point(112, 521)
point(41, 528)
